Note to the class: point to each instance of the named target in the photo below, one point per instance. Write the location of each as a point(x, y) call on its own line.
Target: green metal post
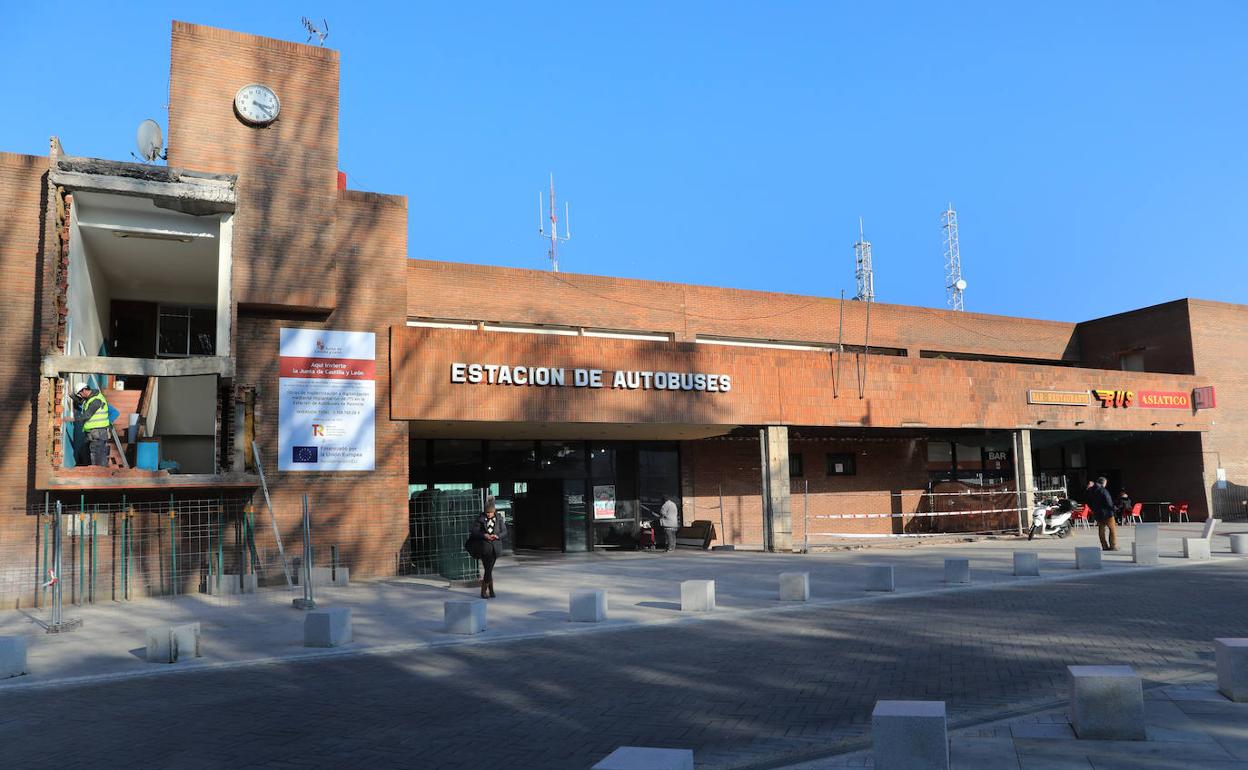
point(81, 533)
point(43, 573)
point(220, 547)
point(94, 554)
point(173, 547)
point(125, 555)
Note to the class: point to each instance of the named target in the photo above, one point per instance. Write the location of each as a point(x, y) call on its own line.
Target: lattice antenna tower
point(553, 235)
point(864, 274)
point(955, 284)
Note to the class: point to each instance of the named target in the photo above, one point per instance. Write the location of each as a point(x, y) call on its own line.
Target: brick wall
point(284, 242)
point(1162, 334)
point(365, 514)
point(455, 291)
point(1220, 333)
point(890, 476)
point(22, 210)
point(768, 387)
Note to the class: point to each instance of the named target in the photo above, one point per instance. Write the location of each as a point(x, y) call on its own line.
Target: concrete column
point(777, 514)
point(1022, 474)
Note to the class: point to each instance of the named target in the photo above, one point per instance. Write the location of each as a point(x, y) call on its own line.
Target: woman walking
point(486, 537)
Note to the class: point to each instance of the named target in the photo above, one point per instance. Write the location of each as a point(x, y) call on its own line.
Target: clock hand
point(263, 107)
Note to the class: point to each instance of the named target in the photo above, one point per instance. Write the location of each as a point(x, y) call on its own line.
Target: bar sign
point(1059, 397)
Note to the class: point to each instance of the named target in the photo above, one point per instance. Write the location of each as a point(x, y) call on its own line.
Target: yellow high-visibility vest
point(100, 418)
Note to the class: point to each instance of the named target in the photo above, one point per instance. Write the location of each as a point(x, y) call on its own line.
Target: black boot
point(484, 586)
point(491, 589)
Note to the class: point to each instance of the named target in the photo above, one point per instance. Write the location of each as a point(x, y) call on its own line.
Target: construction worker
point(93, 415)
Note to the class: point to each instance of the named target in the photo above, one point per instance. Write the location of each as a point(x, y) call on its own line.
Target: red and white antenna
point(553, 235)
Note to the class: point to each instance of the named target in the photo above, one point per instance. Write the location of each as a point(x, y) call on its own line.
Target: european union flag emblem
point(303, 454)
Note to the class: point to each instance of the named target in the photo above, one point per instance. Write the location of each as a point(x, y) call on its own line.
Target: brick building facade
point(792, 418)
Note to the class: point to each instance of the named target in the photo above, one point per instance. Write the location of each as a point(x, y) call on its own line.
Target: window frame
point(188, 315)
point(848, 459)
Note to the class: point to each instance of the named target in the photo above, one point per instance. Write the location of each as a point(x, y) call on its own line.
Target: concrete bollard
point(880, 577)
point(1196, 548)
point(642, 758)
point(1088, 557)
point(587, 605)
point(909, 735)
point(1210, 525)
point(958, 571)
point(1239, 543)
point(697, 596)
point(1106, 703)
point(794, 586)
point(1145, 554)
point(169, 644)
point(12, 656)
point(1146, 534)
point(1026, 564)
point(1231, 656)
point(464, 616)
point(328, 627)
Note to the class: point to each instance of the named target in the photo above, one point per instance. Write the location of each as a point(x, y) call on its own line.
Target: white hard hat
point(81, 386)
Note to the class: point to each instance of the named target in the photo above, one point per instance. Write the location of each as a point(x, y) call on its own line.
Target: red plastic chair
point(1136, 516)
point(1081, 516)
point(1179, 512)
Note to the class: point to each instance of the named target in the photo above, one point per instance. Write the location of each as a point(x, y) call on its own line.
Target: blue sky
point(1097, 153)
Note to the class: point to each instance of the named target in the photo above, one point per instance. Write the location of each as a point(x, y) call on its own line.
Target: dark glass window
point(511, 459)
point(456, 460)
point(841, 464)
point(203, 331)
point(186, 331)
point(602, 461)
point(561, 458)
point(795, 466)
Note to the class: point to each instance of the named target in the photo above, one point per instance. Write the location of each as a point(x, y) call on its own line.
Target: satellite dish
point(960, 285)
point(150, 140)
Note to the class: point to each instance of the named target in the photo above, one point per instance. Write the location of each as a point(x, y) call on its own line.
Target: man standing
point(669, 520)
point(93, 414)
point(1102, 506)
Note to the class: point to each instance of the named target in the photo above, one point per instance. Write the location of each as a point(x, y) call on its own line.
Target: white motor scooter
point(1051, 517)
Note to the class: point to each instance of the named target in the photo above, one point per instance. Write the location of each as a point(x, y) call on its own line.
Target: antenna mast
point(955, 285)
point(863, 271)
point(553, 235)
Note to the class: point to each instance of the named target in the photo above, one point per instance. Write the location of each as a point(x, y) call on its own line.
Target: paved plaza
point(756, 684)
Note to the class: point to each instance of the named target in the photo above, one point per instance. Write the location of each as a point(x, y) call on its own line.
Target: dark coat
point(1100, 502)
point(478, 546)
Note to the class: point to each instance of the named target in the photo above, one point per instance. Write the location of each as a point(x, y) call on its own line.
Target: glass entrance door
point(575, 516)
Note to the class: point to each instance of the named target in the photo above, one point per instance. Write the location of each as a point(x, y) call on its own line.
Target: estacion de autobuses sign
point(557, 377)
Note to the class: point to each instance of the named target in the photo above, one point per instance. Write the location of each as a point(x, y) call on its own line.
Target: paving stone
point(567, 701)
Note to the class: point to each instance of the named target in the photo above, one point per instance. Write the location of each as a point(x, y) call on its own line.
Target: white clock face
point(257, 104)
